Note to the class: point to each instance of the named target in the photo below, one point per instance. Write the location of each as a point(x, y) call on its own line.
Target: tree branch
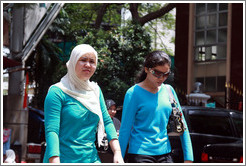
point(156, 14)
point(135, 15)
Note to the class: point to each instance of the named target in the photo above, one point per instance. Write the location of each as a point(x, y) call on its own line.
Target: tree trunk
point(100, 14)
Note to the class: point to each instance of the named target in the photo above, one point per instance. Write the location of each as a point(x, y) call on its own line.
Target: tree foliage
point(121, 53)
point(121, 49)
point(44, 62)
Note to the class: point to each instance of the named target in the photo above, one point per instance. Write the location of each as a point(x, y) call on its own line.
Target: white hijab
point(84, 91)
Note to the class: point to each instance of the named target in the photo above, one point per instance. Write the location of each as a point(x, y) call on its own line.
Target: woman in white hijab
point(76, 115)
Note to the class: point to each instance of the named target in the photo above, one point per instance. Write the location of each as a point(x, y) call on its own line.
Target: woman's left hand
point(118, 157)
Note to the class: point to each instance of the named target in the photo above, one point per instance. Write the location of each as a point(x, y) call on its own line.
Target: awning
point(7, 63)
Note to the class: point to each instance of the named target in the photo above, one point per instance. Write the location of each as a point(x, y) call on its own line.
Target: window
point(205, 124)
point(210, 31)
point(212, 84)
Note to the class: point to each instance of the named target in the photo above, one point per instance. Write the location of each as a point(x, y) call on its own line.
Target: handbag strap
point(171, 97)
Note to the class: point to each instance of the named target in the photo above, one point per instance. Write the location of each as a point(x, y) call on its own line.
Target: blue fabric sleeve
point(184, 138)
point(52, 109)
point(128, 116)
point(108, 123)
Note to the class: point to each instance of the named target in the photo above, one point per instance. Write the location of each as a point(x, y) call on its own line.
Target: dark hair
point(153, 59)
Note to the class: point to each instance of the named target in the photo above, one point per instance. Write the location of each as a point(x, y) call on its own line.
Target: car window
point(239, 125)
point(205, 124)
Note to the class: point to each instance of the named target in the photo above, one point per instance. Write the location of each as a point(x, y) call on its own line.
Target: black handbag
point(104, 145)
point(175, 125)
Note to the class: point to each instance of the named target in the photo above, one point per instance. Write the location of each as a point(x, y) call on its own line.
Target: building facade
point(209, 50)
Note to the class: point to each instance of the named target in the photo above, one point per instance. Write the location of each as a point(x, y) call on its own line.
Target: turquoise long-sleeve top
point(70, 128)
point(144, 123)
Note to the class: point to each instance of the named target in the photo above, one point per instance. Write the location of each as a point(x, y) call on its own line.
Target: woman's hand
point(118, 157)
point(54, 159)
point(115, 146)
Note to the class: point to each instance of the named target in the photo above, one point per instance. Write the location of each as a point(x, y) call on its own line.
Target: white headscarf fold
point(85, 91)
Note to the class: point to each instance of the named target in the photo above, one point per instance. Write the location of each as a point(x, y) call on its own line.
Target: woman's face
point(157, 75)
point(86, 66)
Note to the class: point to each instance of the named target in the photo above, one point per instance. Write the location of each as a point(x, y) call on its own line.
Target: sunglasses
point(159, 74)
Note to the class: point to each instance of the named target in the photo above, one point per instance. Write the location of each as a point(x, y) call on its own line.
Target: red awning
point(7, 63)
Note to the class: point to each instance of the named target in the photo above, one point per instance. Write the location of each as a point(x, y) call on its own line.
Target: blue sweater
point(144, 121)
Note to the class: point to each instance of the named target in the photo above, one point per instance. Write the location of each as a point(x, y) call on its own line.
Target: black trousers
point(138, 158)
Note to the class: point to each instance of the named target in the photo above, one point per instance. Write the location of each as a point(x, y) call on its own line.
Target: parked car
point(223, 153)
point(208, 126)
point(36, 125)
point(36, 136)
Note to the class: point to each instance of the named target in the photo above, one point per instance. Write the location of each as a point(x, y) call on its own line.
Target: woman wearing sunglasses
point(145, 115)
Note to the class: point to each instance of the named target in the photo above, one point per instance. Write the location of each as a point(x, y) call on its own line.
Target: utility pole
point(16, 46)
point(15, 117)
